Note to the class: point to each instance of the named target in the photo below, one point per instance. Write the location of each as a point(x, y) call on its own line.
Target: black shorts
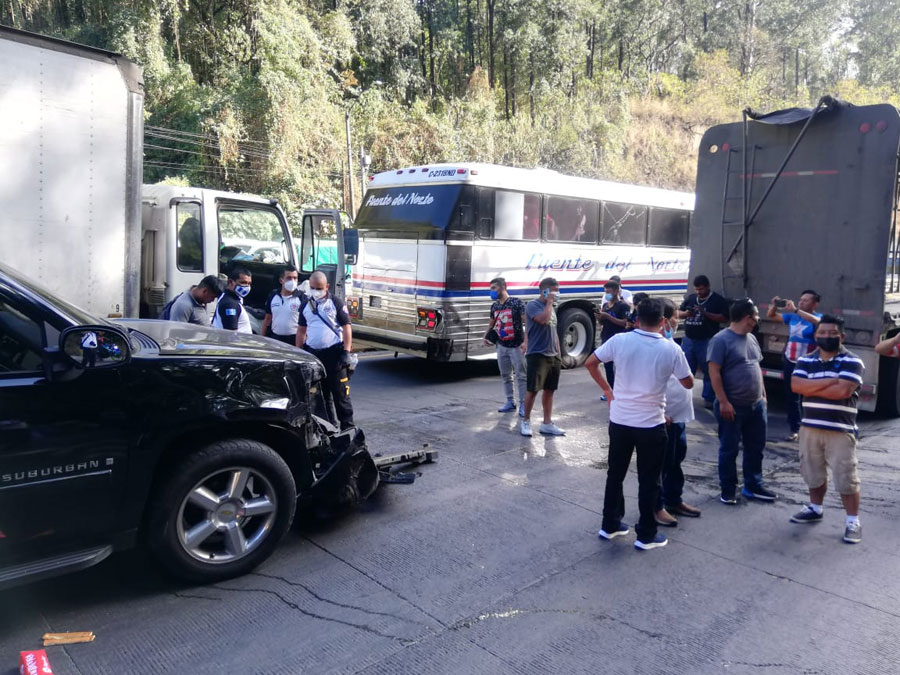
point(543, 372)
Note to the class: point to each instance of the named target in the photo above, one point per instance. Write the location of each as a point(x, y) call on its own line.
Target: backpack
point(166, 313)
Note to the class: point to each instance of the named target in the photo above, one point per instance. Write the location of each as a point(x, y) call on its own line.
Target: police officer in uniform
point(283, 308)
point(324, 331)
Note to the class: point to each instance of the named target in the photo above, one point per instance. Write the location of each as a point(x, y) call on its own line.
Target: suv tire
point(221, 511)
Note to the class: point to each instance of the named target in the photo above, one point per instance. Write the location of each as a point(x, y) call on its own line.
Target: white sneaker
point(551, 430)
point(525, 428)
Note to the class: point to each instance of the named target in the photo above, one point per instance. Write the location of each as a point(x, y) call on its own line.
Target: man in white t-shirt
point(679, 411)
point(645, 361)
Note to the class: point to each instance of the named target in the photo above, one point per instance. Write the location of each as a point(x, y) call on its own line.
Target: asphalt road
point(490, 563)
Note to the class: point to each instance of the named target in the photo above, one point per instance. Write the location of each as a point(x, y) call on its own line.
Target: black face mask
point(829, 344)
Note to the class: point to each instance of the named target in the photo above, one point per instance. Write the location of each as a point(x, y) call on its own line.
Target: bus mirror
point(486, 228)
point(351, 244)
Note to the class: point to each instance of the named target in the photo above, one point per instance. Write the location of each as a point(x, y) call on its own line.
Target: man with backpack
point(323, 329)
point(190, 306)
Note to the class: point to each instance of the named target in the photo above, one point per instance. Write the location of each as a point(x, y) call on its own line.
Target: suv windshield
point(69, 311)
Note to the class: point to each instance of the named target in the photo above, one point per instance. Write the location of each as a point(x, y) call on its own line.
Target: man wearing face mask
point(283, 308)
point(828, 379)
point(323, 329)
point(230, 313)
point(679, 412)
point(506, 328)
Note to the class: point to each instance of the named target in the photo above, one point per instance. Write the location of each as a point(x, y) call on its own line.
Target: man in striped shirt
point(829, 380)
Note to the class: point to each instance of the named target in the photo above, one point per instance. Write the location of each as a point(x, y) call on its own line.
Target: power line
point(213, 146)
point(197, 135)
point(201, 168)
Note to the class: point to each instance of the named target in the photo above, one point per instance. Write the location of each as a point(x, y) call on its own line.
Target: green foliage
point(252, 95)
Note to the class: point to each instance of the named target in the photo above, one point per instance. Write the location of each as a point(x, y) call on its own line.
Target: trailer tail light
point(460, 171)
point(880, 126)
point(353, 306)
point(864, 128)
point(427, 319)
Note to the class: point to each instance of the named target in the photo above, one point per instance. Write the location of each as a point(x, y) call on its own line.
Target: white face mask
point(317, 293)
point(242, 291)
point(290, 285)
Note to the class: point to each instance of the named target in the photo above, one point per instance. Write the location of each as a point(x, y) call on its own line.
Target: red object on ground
point(34, 663)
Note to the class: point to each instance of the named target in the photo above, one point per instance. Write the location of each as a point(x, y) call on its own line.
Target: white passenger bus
point(432, 238)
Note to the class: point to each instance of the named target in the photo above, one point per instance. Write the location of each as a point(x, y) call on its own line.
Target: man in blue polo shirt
point(829, 380)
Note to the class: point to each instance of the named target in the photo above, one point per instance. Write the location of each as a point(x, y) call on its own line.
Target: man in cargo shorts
point(542, 357)
point(828, 379)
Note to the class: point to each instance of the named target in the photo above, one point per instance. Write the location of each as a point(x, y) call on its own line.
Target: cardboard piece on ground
point(67, 638)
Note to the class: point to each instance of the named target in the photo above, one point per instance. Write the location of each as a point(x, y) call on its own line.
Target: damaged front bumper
point(344, 471)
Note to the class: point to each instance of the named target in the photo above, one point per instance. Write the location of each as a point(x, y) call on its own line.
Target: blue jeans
point(695, 351)
point(793, 400)
point(672, 478)
point(749, 426)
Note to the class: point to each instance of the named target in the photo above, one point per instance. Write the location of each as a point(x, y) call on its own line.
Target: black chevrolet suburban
point(195, 442)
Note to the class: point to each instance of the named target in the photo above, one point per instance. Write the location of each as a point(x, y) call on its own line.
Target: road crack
point(313, 615)
point(335, 603)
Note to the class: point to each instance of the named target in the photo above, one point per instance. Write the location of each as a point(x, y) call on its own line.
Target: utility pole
point(349, 163)
point(364, 162)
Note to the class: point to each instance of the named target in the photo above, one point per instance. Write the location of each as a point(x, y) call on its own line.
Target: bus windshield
point(414, 207)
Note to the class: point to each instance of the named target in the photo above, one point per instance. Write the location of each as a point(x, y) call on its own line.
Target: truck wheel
point(221, 511)
point(888, 403)
point(576, 337)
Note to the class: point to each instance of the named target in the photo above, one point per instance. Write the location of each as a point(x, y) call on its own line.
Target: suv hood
point(185, 339)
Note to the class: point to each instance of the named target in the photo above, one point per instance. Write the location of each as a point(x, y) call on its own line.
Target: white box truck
point(71, 130)
point(73, 211)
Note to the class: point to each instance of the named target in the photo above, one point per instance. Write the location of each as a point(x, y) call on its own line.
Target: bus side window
point(668, 227)
point(571, 220)
point(485, 213)
point(517, 216)
point(624, 224)
point(464, 218)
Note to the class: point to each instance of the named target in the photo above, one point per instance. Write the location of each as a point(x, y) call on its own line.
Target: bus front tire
point(576, 337)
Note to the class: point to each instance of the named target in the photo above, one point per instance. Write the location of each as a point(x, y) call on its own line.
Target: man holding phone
point(542, 357)
point(801, 320)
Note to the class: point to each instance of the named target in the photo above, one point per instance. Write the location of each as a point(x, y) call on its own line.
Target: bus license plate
point(374, 301)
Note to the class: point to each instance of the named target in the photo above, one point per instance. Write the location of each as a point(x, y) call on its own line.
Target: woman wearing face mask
point(230, 313)
point(283, 308)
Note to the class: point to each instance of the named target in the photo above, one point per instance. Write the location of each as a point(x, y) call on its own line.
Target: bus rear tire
point(576, 337)
point(888, 387)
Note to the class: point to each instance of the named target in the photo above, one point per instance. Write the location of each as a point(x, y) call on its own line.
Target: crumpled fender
point(352, 475)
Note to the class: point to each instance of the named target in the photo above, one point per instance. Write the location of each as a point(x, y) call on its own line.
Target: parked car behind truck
point(195, 442)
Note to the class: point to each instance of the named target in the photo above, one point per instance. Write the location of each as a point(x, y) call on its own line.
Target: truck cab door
point(322, 247)
point(256, 237)
point(186, 257)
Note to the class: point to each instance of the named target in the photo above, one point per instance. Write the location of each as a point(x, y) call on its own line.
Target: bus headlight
point(427, 319)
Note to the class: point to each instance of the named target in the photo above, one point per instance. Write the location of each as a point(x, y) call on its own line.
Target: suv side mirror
point(351, 246)
point(95, 346)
